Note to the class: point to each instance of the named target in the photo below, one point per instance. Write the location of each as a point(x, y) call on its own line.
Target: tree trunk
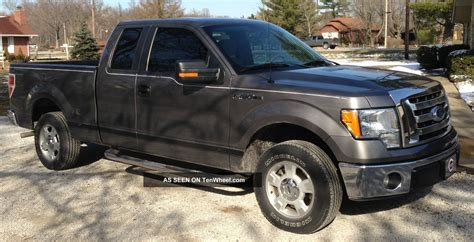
point(57, 37)
point(448, 31)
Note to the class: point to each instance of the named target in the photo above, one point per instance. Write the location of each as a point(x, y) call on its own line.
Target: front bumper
point(364, 182)
point(11, 115)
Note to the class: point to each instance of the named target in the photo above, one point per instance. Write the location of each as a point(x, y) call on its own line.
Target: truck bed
point(71, 84)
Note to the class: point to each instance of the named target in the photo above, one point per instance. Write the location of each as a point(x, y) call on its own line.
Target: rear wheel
point(55, 147)
point(300, 190)
point(326, 46)
point(332, 47)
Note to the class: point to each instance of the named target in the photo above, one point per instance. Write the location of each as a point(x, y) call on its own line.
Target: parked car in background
point(320, 41)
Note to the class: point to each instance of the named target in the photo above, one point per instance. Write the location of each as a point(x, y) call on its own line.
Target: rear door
point(187, 122)
point(116, 88)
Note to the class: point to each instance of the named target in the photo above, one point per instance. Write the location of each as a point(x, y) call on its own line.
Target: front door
point(176, 120)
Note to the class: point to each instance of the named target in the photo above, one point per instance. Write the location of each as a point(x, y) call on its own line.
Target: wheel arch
point(41, 106)
point(44, 98)
point(278, 132)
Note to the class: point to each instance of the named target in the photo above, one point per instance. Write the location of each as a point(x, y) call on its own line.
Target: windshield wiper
point(265, 66)
point(315, 63)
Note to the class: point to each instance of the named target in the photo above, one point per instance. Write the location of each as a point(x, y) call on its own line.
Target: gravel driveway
point(103, 201)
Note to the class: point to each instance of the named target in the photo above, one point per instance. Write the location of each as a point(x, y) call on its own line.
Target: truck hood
point(348, 80)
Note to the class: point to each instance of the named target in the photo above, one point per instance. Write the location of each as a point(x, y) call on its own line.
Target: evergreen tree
point(431, 14)
point(335, 7)
point(85, 47)
point(285, 13)
point(296, 16)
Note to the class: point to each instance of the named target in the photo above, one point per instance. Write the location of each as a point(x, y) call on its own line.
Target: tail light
point(11, 84)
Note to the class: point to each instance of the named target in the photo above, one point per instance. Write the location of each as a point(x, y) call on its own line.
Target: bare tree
point(370, 12)
point(11, 5)
point(309, 16)
point(158, 9)
point(397, 17)
point(49, 17)
point(198, 13)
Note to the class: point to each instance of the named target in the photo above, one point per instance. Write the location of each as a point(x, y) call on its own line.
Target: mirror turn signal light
point(188, 74)
point(350, 118)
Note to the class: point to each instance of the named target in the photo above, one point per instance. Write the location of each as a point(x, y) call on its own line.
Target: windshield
point(260, 45)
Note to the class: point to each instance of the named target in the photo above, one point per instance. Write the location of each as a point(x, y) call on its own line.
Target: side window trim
point(150, 48)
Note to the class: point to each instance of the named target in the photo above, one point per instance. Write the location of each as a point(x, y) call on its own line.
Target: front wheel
point(300, 190)
point(56, 148)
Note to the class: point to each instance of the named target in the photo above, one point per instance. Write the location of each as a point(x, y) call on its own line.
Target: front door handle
point(143, 90)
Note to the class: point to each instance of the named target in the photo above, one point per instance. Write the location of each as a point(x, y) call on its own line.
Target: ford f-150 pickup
point(247, 97)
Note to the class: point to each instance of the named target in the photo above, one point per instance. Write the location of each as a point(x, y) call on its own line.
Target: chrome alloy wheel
point(49, 142)
point(290, 189)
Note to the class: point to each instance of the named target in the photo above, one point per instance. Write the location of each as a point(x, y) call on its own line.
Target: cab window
point(126, 49)
point(173, 44)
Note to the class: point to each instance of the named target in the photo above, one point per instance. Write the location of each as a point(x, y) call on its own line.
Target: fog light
point(393, 181)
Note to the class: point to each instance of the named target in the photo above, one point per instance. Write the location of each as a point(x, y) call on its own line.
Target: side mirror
point(196, 71)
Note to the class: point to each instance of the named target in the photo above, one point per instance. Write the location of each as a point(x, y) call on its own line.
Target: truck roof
point(197, 22)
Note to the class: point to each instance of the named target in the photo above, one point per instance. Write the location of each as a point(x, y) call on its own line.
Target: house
point(346, 28)
point(464, 13)
point(15, 33)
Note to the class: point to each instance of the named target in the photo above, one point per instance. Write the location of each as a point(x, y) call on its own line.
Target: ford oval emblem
point(438, 113)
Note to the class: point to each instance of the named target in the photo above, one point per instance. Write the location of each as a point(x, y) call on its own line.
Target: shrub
point(426, 36)
point(10, 58)
point(427, 56)
point(432, 57)
point(21, 57)
point(444, 51)
point(462, 65)
point(456, 54)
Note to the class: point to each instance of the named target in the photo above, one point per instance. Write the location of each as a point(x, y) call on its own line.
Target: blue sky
point(231, 8)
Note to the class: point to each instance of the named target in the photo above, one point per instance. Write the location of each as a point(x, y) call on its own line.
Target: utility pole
point(93, 18)
point(66, 45)
point(386, 24)
point(407, 29)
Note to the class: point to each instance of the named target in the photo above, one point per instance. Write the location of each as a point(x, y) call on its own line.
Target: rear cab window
point(126, 53)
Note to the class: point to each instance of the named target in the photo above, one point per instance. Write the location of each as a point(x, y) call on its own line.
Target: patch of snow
point(403, 66)
point(459, 77)
point(466, 91)
point(373, 63)
point(458, 52)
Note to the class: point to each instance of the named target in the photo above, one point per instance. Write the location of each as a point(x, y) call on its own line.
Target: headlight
point(373, 124)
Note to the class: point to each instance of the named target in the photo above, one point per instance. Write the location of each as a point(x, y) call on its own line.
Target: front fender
point(305, 115)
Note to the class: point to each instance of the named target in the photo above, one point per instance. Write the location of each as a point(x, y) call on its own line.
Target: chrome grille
point(425, 116)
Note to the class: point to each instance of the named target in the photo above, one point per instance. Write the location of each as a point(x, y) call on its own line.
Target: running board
point(115, 155)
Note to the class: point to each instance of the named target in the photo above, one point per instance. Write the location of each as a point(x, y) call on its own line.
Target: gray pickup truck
point(320, 41)
point(247, 97)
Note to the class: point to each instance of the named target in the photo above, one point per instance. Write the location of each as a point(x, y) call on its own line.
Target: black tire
point(327, 187)
point(326, 46)
point(332, 47)
point(63, 154)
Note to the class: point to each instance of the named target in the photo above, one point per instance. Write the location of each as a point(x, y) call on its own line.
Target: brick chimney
point(20, 16)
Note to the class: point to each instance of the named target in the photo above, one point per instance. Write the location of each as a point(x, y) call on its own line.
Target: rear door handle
point(143, 90)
